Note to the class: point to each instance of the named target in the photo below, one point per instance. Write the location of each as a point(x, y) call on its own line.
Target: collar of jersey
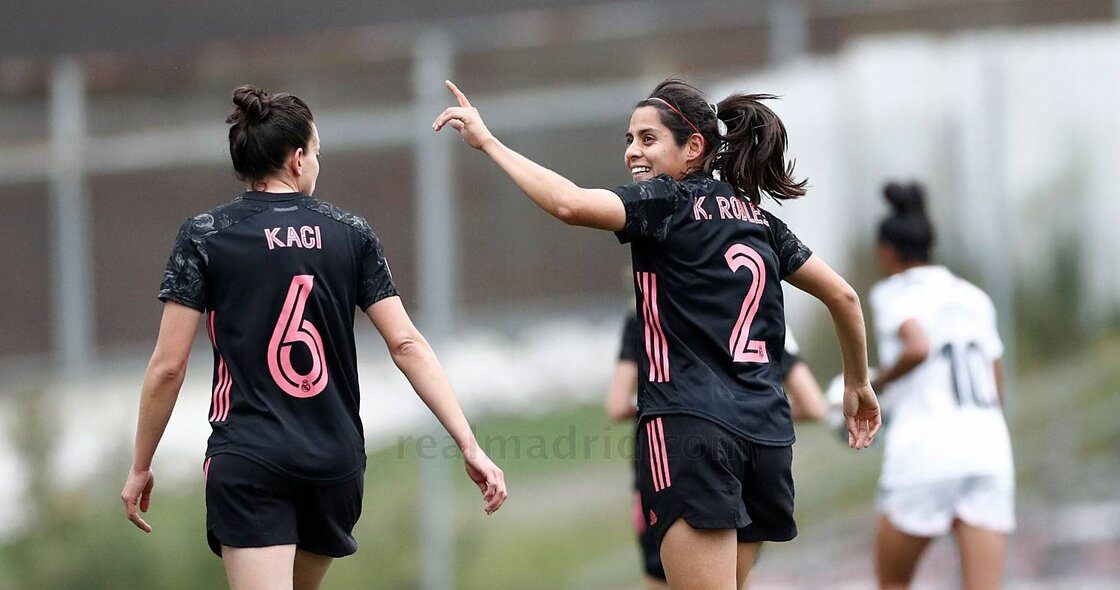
point(262, 196)
point(925, 272)
point(926, 269)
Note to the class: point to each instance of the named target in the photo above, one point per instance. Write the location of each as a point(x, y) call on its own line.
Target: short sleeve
point(893, 304)
point(792, 254)
point(889, 309)
point(993, 344)
point(649, 205)
point(184, 278)
point(375, 281)
point(629, 348)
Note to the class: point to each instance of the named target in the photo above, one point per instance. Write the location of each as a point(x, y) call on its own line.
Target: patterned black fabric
point(184, 279)
point(650, 205)
point(376, 280)
point(792, 254)
point(281, 276)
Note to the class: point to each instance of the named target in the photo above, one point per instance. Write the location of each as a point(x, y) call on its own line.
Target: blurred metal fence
point(137, 142)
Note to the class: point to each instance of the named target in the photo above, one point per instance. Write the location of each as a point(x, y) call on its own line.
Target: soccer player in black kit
point(276, 276)
point(715, 430)
point(806, 402)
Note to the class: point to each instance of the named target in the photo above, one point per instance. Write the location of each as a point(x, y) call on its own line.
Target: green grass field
point(567, 523)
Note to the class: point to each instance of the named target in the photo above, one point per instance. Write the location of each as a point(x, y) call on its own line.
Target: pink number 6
point(290, 329)
point(743, 349)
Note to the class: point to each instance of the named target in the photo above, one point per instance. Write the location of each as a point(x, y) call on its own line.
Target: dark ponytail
point(750, 155)
point(907, 228)
point(264, 130)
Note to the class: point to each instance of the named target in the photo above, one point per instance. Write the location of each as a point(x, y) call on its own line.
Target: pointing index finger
point(463, 102)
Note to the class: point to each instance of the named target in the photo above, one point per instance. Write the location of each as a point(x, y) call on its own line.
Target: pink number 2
point(743, 349)
point(291, 329)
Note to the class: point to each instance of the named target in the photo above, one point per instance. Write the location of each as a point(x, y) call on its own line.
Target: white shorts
point(928, 509)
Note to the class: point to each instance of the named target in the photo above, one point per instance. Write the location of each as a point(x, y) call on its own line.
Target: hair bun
point(253, 104)
point(905, 198)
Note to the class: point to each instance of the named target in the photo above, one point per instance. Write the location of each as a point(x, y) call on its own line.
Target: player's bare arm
point(415, 358)
point(861, 409)
point(560, 197)
point(997, 371)
point(162, 381)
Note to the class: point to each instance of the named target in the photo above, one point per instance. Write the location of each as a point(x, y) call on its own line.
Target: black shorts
point(248, 505)
point(695, 469)
point(647, 544)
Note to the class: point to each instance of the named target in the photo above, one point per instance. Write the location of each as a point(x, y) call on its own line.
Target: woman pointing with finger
point(715, 428)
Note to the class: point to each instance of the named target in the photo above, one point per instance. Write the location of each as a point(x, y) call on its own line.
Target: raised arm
point(861, 409)
point(560, 197)
point(415, 358)
point(162, 381)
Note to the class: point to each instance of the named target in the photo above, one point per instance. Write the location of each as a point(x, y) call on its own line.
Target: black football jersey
point(629, 349)
point(708, 266)
point(279, 277)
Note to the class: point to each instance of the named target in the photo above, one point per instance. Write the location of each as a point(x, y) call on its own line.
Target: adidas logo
point(652, 518)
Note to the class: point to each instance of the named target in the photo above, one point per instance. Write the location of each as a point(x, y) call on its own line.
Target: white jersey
point(946, 420)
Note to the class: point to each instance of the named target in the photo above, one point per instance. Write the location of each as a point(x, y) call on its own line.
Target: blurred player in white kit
point(947, 464)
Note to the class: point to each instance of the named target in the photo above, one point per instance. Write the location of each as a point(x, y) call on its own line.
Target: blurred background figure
point(806, 400)
point(622, 406)
point(111, 126)
point(947, 464)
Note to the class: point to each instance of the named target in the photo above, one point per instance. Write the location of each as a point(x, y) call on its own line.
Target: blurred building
point(112, 131)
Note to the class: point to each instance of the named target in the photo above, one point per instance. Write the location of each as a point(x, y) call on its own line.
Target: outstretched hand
point(137, 492)
point(464, 119)
point(862, 416)
point(491, 481)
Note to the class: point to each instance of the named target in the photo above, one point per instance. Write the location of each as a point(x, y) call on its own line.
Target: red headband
point(677, 111)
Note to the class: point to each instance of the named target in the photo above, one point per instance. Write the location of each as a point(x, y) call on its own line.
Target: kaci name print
point(305, 237)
